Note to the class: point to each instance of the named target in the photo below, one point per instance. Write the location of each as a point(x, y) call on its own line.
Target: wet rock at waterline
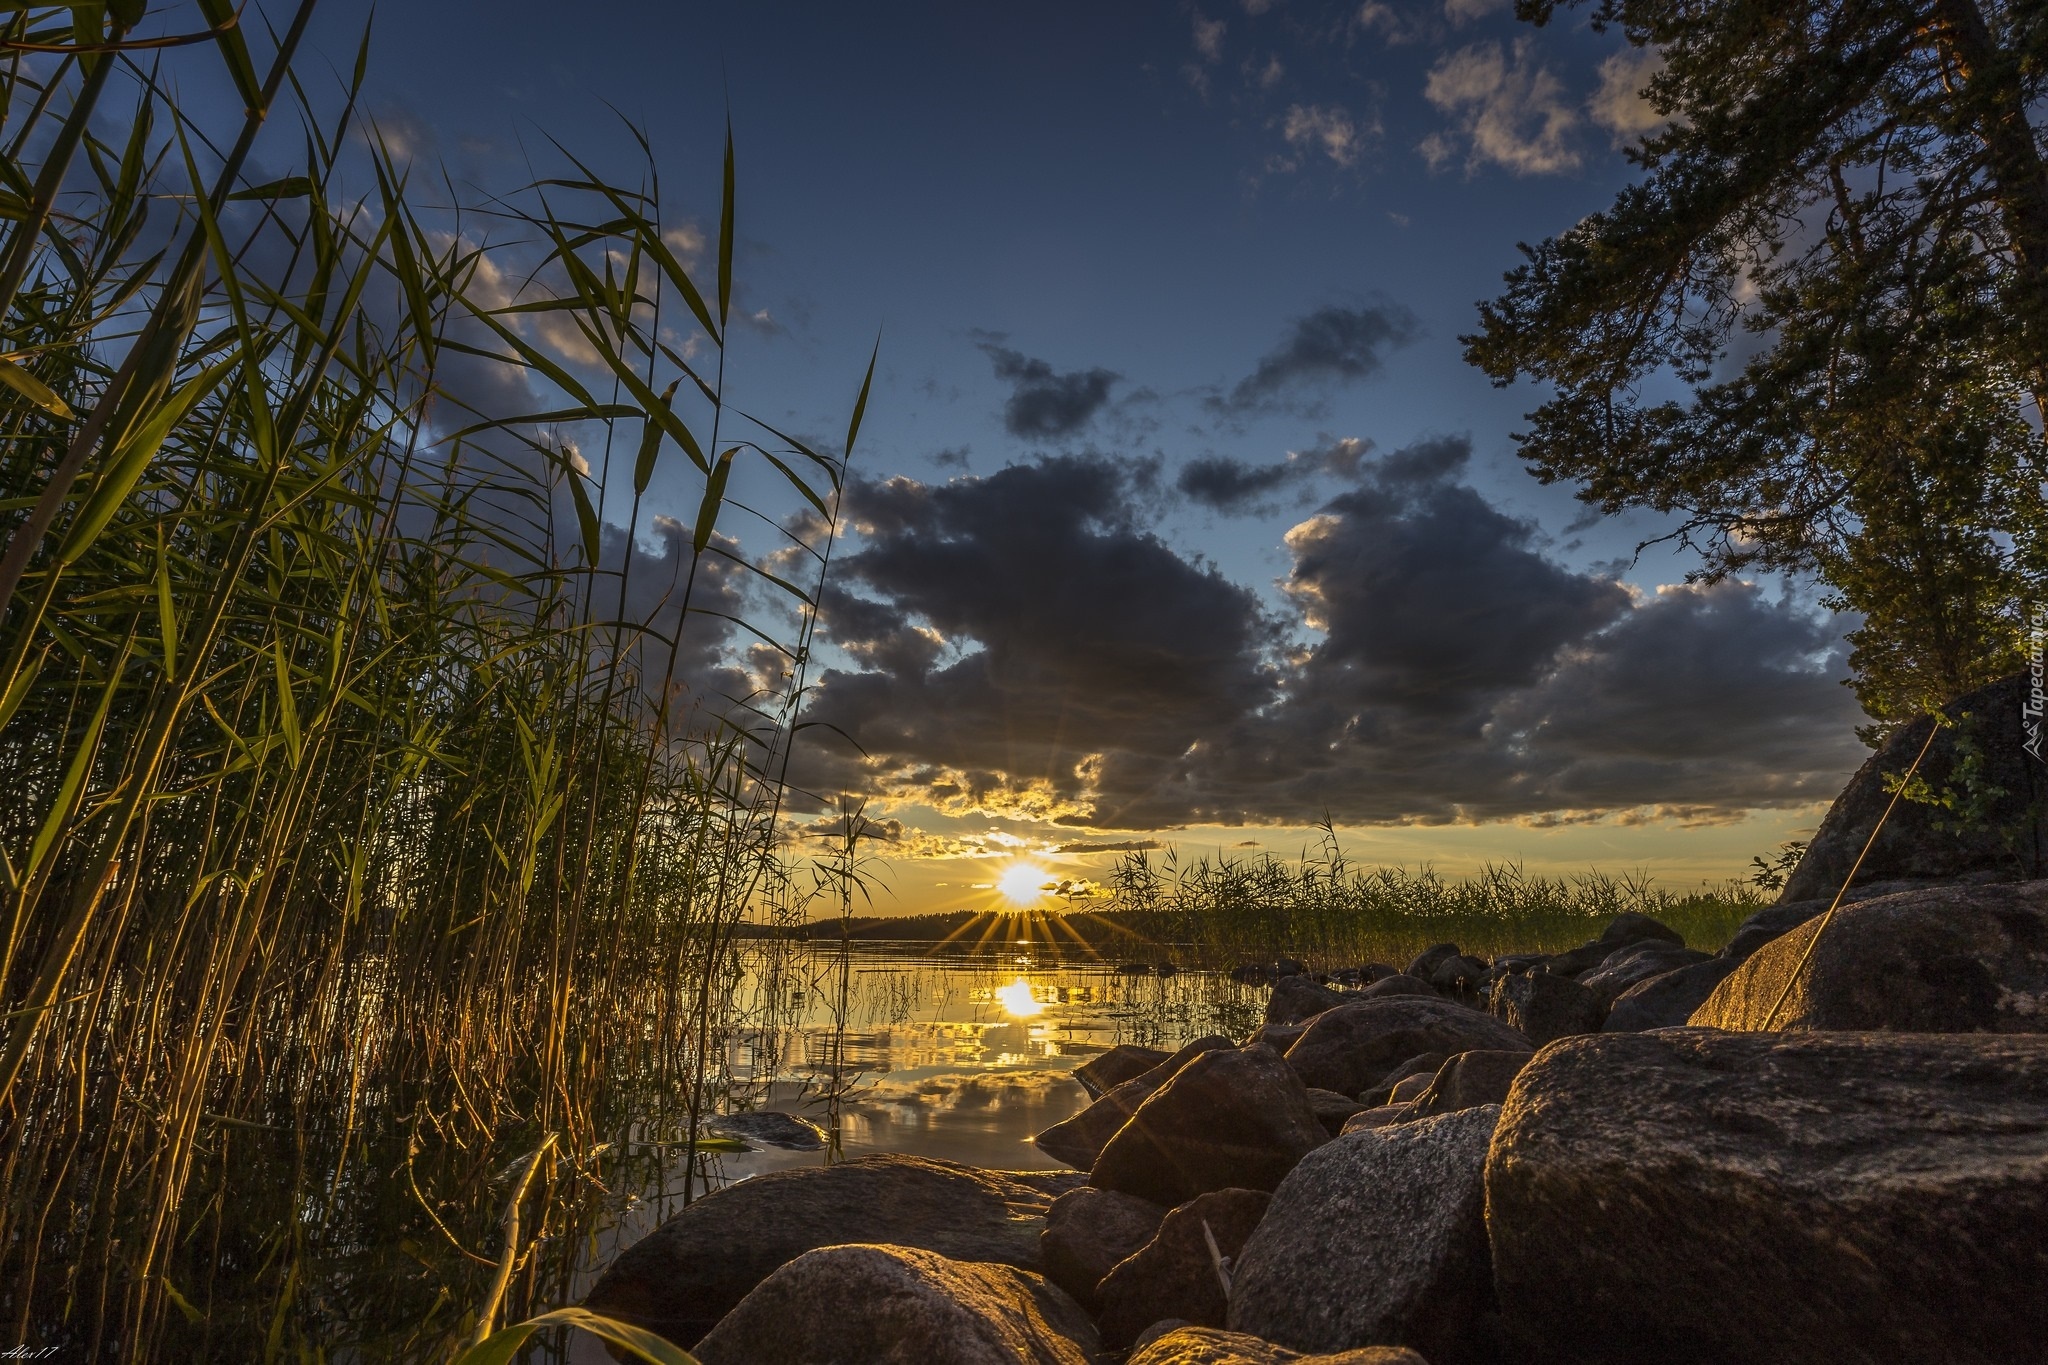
point(1296, 998)
point(1696, 1197)
point(1125, 1062)
point(894, 1305)
point(1080, 1139)
point(1207, 1346)
point(1175, 1274)
point(770, 1128)
point(688, 1273)
point(1349, 1048)
point(2007, 841)
point(1951, 959)
point(1544, 1007)
point(1668, 1000)
point(1379, 1239)
point(1238, 1118)
point(1398, 984)
point(1088, 1231)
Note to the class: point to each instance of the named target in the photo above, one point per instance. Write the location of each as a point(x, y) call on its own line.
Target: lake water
point(949, 1054)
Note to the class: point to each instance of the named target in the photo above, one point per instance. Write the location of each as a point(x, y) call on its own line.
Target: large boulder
point(1626, 930)
point(1125, 1062)
point(1207, 1346)
point(1296, 998)
point(1235, 1119)
point(1634, 965)
point(1543, 1006)
point(891, 1305)
point(1668, 1000)
point(1467, 1081)
point(1696, 1196)
point(1982, 755)
point(1087, 1231)
point(1349, 1048)
point(688, 1273)
point(1175, 1274)
point(1379, 1239)
point(1952, 959)
point(1080, 1139)
point(1400, 983)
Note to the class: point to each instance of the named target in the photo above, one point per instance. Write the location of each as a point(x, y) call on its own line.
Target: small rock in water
point(1208, 1346)
point(771, 1128)
point(1125, 1062)
point(1399, 983)
point(1174, 1274)
point(892, 1305)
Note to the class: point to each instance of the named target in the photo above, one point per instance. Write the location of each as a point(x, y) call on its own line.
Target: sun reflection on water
point(1018, 999)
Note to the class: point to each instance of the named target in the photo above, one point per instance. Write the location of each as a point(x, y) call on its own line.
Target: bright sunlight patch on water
point(1018, 999)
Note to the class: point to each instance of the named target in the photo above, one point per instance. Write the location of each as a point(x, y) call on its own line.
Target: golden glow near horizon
point(1018, 999)
point(1023, 883)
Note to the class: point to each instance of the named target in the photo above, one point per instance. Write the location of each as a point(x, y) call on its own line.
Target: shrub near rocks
point(1694, 1197)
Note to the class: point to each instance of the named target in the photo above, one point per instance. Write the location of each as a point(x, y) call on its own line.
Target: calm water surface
point(950, 1054)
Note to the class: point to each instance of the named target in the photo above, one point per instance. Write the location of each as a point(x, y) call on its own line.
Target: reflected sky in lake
point(950, 1055)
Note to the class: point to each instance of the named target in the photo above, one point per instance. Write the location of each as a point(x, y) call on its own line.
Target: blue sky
point(1182, 518)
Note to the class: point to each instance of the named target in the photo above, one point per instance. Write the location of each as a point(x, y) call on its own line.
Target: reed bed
point(366, 858)
point(1327, 912)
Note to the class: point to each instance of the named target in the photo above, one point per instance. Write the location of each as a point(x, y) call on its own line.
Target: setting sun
point(1023, 883)
point(1018, 1000)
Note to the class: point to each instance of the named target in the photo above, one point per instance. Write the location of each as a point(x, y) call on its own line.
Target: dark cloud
point(1112, 846)
point(1043, 402)
point(1025, 647)
point(1332, 345)
point(1234, 486)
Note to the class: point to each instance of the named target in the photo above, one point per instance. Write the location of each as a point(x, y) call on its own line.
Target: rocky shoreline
point(1588, 1156)
point(1806, 1147)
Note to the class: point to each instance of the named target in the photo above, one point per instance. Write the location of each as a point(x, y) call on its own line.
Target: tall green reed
point(363, 837)
point(1329, 912)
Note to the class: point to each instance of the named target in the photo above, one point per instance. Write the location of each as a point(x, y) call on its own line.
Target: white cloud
point(1508, 112)
point(1465, 11)
point(1257, 7)
point(1329, 129)
point(1209, 38)
point(1618, 105)
point(1267, 76)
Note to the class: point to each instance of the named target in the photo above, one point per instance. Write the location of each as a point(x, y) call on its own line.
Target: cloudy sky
point(1177, 516)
